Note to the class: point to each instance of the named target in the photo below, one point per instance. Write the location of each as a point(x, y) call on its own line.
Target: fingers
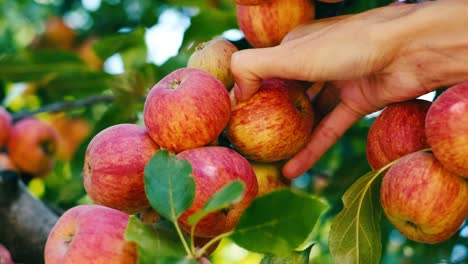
point(328, 131)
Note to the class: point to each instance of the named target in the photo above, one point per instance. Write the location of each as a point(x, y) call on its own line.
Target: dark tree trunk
point(25, 222)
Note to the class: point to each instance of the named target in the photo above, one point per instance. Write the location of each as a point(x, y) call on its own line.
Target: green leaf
point(153, 242)
point(293, 258)
point(355, 232)
point(174, 260)
point(225, 197)
point(112, 44)
point(169, 184)
point(278, 222)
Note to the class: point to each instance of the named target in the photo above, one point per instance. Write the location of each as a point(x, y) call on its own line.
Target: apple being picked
point(188, 108)
point(422, 199)
point(397, 131)
point(32, 146)
point(90, 234)
point(447, 129)
point(5, 125)
point(266, 24)
point(274, 124)
point(269, 177)
point(214, 57)
point(114, 165)
point(213, 167)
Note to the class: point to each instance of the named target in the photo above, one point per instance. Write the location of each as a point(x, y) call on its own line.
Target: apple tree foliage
point(332, 214)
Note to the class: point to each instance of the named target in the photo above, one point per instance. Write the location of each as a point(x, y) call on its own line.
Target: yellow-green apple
point(188, 108)
point(114, 164)
point(269, 177)
point(447, 129)
point(5, 126)
point(5, 256)
point(265, 25)
point(91, 234)
point(250, 2)
point(214, 57)
point(6, 163)
point(274, 124)
point(213, 167)
point(32, 145)
point(397, 131)
point(422, 199)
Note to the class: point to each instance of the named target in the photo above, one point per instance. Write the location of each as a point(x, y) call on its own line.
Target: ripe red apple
point(32, 146)
point(5, 256)
point(90, 234)
point(214, 167)
point(447, 129)
point(5, 125)
point(422, 199)
point(114, 165)
point(250, 2)
point(397, 131)
point(269, 177)
point(214, 57)
point(188, 108)
point(274, 124)
point(265, 25)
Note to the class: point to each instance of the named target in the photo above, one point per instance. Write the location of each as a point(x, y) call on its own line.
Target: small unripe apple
point(397, 131)
point(90, 234)
point(5, 125)
point(269, 177)
point(274, 124)
point(422, 199)
point(214, 57)
point(265, 25)
point(214, 167)
point(114, 165)
point(447, 129)
point(188, 108)
point(32, 146)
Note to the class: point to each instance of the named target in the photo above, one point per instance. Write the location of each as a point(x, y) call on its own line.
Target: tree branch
point(24, 220)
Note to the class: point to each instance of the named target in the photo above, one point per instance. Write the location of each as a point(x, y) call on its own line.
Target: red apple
point(250, 2)
point(5, 126)
point(214, 167)
point(274, 124)
point(265, 25)
point(423, 200)
point(214, 57)
point(397, 131)
point(269, 177)
point(114, 165)
point(32, 146)
point(5, 256)
point(90, 234)
point(188, 108)
point(447, 129)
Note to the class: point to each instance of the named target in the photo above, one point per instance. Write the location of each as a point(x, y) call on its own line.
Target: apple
point(274, 124)
point(32, 146)
point(447, 129)
point(397, 131)
point(250, 2)
point(5, 256)
point(90, 234)
point(269, 177)
point(214, 57)
point(86, 52)
point(71, 131)
point(422, 199)
point(6, 163)
point(265, 25)
point(58, 34)
point(5, 125)
point(213, 167)
point(114, 165)
point(188, 108)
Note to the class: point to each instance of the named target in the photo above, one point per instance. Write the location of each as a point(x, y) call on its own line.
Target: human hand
point(369, 60)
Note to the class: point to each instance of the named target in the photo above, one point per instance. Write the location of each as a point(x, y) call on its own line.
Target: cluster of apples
point(30, 145)
point(424, 194)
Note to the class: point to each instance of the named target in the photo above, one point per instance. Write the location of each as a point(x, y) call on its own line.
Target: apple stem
point(182, 238)
point(175, 83)
point(192, 238)
point(202, 250)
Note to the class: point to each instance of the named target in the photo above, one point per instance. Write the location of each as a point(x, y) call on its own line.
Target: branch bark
point(25, 222)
